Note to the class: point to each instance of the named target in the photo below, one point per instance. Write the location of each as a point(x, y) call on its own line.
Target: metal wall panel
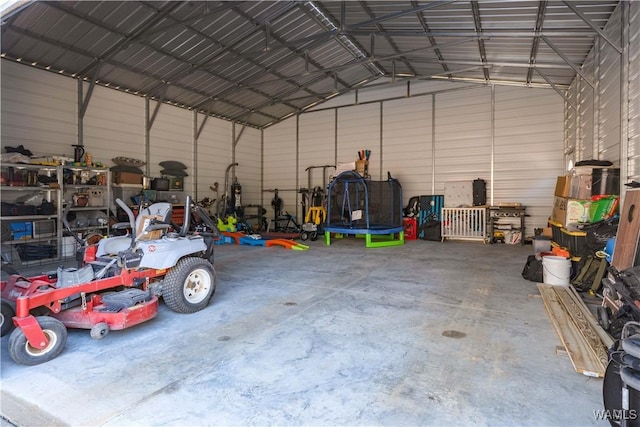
point(38, 110)
point(213, 155)
point(528, 150)
point(407, 144)
point(462, 136)
point(114, 125)
point(359, 129)
point(609, 138)
point(571, 123)
point(585, 106)
point(633, 155)
point(171, 138)
point(280, 166)
point(317, 147)
point(248, 155)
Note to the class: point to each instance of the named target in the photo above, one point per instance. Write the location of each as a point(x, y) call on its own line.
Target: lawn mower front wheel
point(189, 285)
point(6, 322)
point(25, 354)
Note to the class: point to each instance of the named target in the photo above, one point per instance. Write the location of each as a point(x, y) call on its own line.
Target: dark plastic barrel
point(479, 192)
point(605, 181)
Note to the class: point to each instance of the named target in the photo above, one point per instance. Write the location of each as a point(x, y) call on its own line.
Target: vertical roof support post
point(624, 96)
point(493, 143)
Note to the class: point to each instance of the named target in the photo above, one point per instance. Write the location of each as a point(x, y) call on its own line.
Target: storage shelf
point(27, 188)
point(27, 217)
point(83, 186)
point(88, 208)
point(31, 240)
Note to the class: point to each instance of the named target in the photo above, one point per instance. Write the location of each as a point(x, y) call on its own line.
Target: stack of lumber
point(584, 340)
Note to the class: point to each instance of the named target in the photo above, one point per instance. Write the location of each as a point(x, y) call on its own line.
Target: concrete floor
point(336, 335)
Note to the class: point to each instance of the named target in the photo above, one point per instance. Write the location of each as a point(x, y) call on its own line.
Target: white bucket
point(556, 270)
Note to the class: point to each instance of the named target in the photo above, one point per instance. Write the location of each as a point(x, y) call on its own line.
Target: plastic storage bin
point(556, 232)
point(575, 241)
point(410, 228)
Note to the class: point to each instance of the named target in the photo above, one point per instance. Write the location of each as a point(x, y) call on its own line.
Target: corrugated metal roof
point(257, 62)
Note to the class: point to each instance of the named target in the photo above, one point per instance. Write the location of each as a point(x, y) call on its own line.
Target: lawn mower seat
point(160, 211)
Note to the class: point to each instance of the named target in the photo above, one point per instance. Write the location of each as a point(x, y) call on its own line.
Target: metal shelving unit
point(89, 191)
point(34, 230)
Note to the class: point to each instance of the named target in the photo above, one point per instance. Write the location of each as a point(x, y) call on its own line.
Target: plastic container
point(556, 232)
point(605, 181)
point(609, 248)
point(541, 244)
point(603, 207)
point(556, 270)
point(575, 241)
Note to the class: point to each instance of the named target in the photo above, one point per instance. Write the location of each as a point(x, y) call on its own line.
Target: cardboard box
point(567, 211)
point(143, 222)
point(21, 230)
point(563, 186)
point(580, 187)
point(126, 178)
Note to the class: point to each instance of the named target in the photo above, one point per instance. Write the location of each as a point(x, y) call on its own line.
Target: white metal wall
point(114, 125)
point(521, 129)
point(38, 110)
point(359, 129)
point(317, 147)
point(213, 155)
point(280, 159)
point(248, 155)
point(598, 126)
point(407, 144)
point(528, 150)
point(610, 112)
point(633, 155)
point(463, 136)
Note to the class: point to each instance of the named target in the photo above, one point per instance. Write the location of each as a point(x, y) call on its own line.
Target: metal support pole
point(624, 96)
point(380, 175)
point(147, 136)
point(493, 143)
point(596, 99)
point(433, 144)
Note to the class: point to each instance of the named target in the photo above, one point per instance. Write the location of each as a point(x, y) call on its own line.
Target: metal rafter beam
point(369, 60)
point(591, 25)
point(475, 9)
point(542, 7)
point(126, 39)
point(163, 82)
point(432, 39)
point(566, 59)
point(562, 93)
point(393, 45)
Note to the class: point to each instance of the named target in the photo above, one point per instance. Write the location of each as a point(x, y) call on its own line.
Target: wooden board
point(626, 249)
point(580, 316)
point(580, 353)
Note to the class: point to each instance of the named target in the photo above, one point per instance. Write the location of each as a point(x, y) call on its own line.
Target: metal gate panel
point(407, 144)
point(464, 224)
point(38, 110)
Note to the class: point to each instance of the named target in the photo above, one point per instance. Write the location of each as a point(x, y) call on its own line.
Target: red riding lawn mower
point(116, 285)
